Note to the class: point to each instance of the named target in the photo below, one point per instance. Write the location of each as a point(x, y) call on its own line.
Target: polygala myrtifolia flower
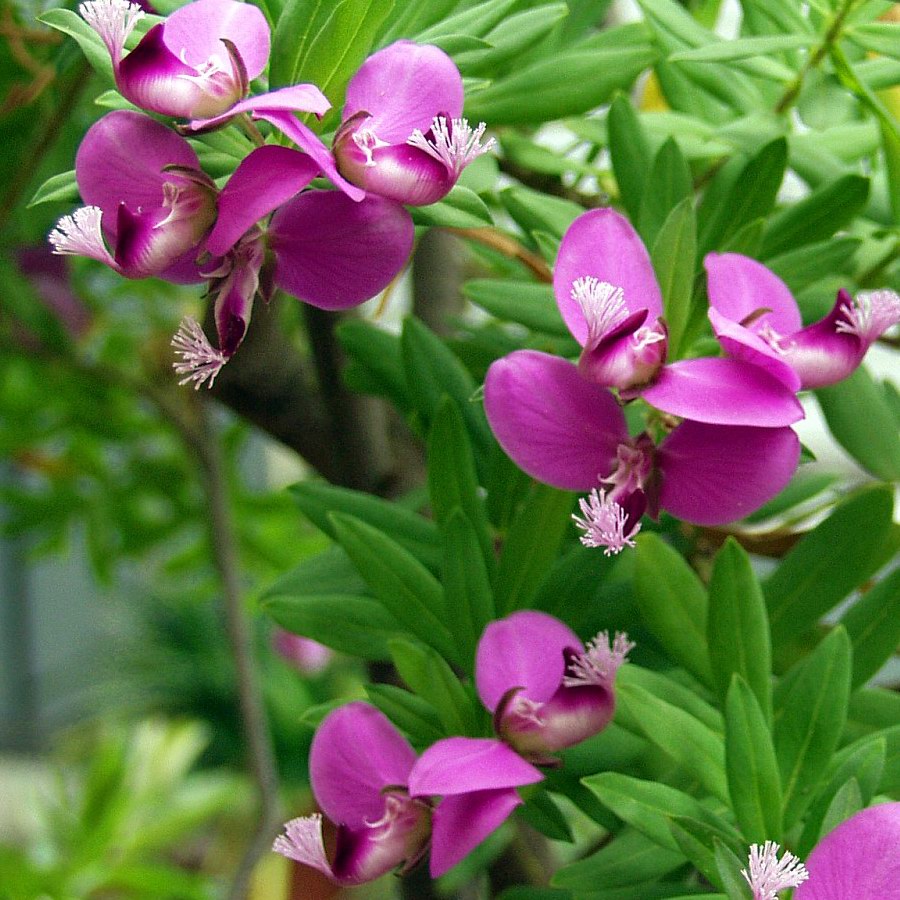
point(610, 300)
point(146, 195)
point(756, 318)
point(567, 431)
point(767, 874)
point(198, 63)
point(383, 802)
point(320, 246)
point(547, 691)
point(402, 134)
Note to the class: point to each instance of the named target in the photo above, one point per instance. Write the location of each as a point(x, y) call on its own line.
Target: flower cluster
point(156, 213)
point(387, 806)
point(723, 444)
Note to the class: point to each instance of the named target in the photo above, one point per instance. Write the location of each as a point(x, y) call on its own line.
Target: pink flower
point(307, 655)
point(367, 780)
point(547, 691)
point(756, 319)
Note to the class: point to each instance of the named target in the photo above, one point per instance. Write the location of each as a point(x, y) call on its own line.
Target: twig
point(508, 246)
point(253, 716)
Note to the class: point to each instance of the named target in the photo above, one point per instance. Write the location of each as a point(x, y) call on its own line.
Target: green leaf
point(433, 370)
point(803, 487)
point(328, 572)
point(665, 687)
point(804, 266)
point(435, 682)
point(847, 802)
point(743, 48)
point(535, 211)
point(541, 812)
point(89, 41)
point(737, 627)
point(890, 145)
point(415, 533)
point(324, 42)
point(477, 20)
point(750, 194)
point(470, 603)
point(416, 717)
point(813, 578)
point(61, 188)
point(452, 479)
point(461, 208)
point(668, 185)
point(377, 365)
point(674, 257)
point(531, 546)
point(356, 625)
point(873, 624)
point(568, 83)
point(862, 763)
point(729, 866)
point(816, 217)
point(861, 420)
point(404, 586)
point(753, 779)
point(697, 842)
point(630, 858)
point(687, 740)
point(810, 720)
point(531, 305)
point(673, 604)
point(649, 806)
point(630, 154)
point(882, 37)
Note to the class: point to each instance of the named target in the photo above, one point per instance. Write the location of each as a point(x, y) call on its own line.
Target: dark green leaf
point(674, 258)
point(542, 813)
point(810, 720)
point(531, 305)
point(737, 627)
point(630, 154)
point(873, 623)
point(804, 266)
point(461, 208)
point(416, 717)
point(70, 23)
point(668, 185)
point(535, 211)
point(377, 354)
point(57, 189)
point(673, 604)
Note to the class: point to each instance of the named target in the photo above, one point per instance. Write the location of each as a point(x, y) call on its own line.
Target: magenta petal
point(555, 425)
point(458, 765)
point(461, 823)
point(403, 87)
point(741, 343)
point(715, 474)
point(307, 141)
point(110, 171)
point(602, 244)
point(355, 753)
point(264, 180)
point(194, 33)
point(286, 100)
point(859, 859)
point(723, 392)
point(524, 650)
point(335, 253)
point(738, 286)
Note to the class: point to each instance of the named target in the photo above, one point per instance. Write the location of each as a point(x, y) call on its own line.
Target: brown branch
point(508, 246)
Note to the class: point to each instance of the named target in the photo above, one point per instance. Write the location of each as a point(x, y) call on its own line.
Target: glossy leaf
point(674, 259)
point(461, 208)
point(669, 185)
point(873, 624)
point(629, 152)
point(531, 305)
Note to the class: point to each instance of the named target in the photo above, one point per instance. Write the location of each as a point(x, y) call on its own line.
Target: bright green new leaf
point(61, 188)
point(461, 208)
point(531, 305)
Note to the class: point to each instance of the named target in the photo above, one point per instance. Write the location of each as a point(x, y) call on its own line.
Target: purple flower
point(859, 859)
point(547, 691)
point(756, 319)
point(403, 135)
point(154, 206)
point(367, 780)
point(568, 432)
point(320, 246)
point(610, 300)
point(306, 655)
point(198, 63)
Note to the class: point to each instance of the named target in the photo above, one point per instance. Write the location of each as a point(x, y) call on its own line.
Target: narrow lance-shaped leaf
point(674, 257)
point(873, 623)
point(630, 154)
point(737, 626)
point(673, 604)
point(809, 723)
point(753, 779)
point(669, 184)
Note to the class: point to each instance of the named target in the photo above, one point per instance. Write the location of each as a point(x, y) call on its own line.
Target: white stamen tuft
point(604, 522)
point(81, 235)
point(368, 142)
point(603, 305)
point(600, 662)
point(113, 20)
point(199, 359)
point(302, 840)
point(454, 143)
point(870, 315)
point(647, 335)
point(769, 875)
point(776, 341)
